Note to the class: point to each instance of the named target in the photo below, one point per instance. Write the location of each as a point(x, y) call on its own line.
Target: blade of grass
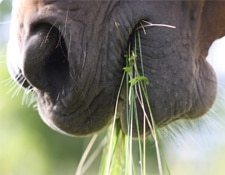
point(85, 154)
point(93, 156)
point(115, 136)
point(139, 82)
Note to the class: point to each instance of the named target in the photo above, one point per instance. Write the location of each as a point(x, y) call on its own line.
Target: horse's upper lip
point(66, 95)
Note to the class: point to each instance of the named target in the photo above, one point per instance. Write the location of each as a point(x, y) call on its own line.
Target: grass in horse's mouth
point(118, 148)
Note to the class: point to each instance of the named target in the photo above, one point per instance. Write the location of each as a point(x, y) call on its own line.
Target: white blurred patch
point(216, 58)
point(197, 147)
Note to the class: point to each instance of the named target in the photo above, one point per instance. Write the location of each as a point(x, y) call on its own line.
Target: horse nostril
point(45, 63)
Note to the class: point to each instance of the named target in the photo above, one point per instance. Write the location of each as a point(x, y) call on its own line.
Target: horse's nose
point(45, 62)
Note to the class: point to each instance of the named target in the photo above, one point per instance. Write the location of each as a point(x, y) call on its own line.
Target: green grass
point(120, 153)
point(119, 149)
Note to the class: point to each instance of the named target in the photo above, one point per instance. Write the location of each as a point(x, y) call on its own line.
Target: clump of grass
point(117, 157)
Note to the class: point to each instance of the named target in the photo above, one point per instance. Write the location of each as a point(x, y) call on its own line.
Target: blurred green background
point(28, 146)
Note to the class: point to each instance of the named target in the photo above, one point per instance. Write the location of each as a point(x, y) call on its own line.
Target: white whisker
point(8, 82)
point(29, 97)
point(70, 42)
point(66, 22)
point(48, 34)
point(17, 91)
point(58, 97)
point(14, 86)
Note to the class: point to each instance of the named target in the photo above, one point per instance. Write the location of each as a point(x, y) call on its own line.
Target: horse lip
point(58, 118)
point(53, 106)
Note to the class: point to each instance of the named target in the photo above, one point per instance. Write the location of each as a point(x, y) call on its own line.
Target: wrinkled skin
point(71, 53)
